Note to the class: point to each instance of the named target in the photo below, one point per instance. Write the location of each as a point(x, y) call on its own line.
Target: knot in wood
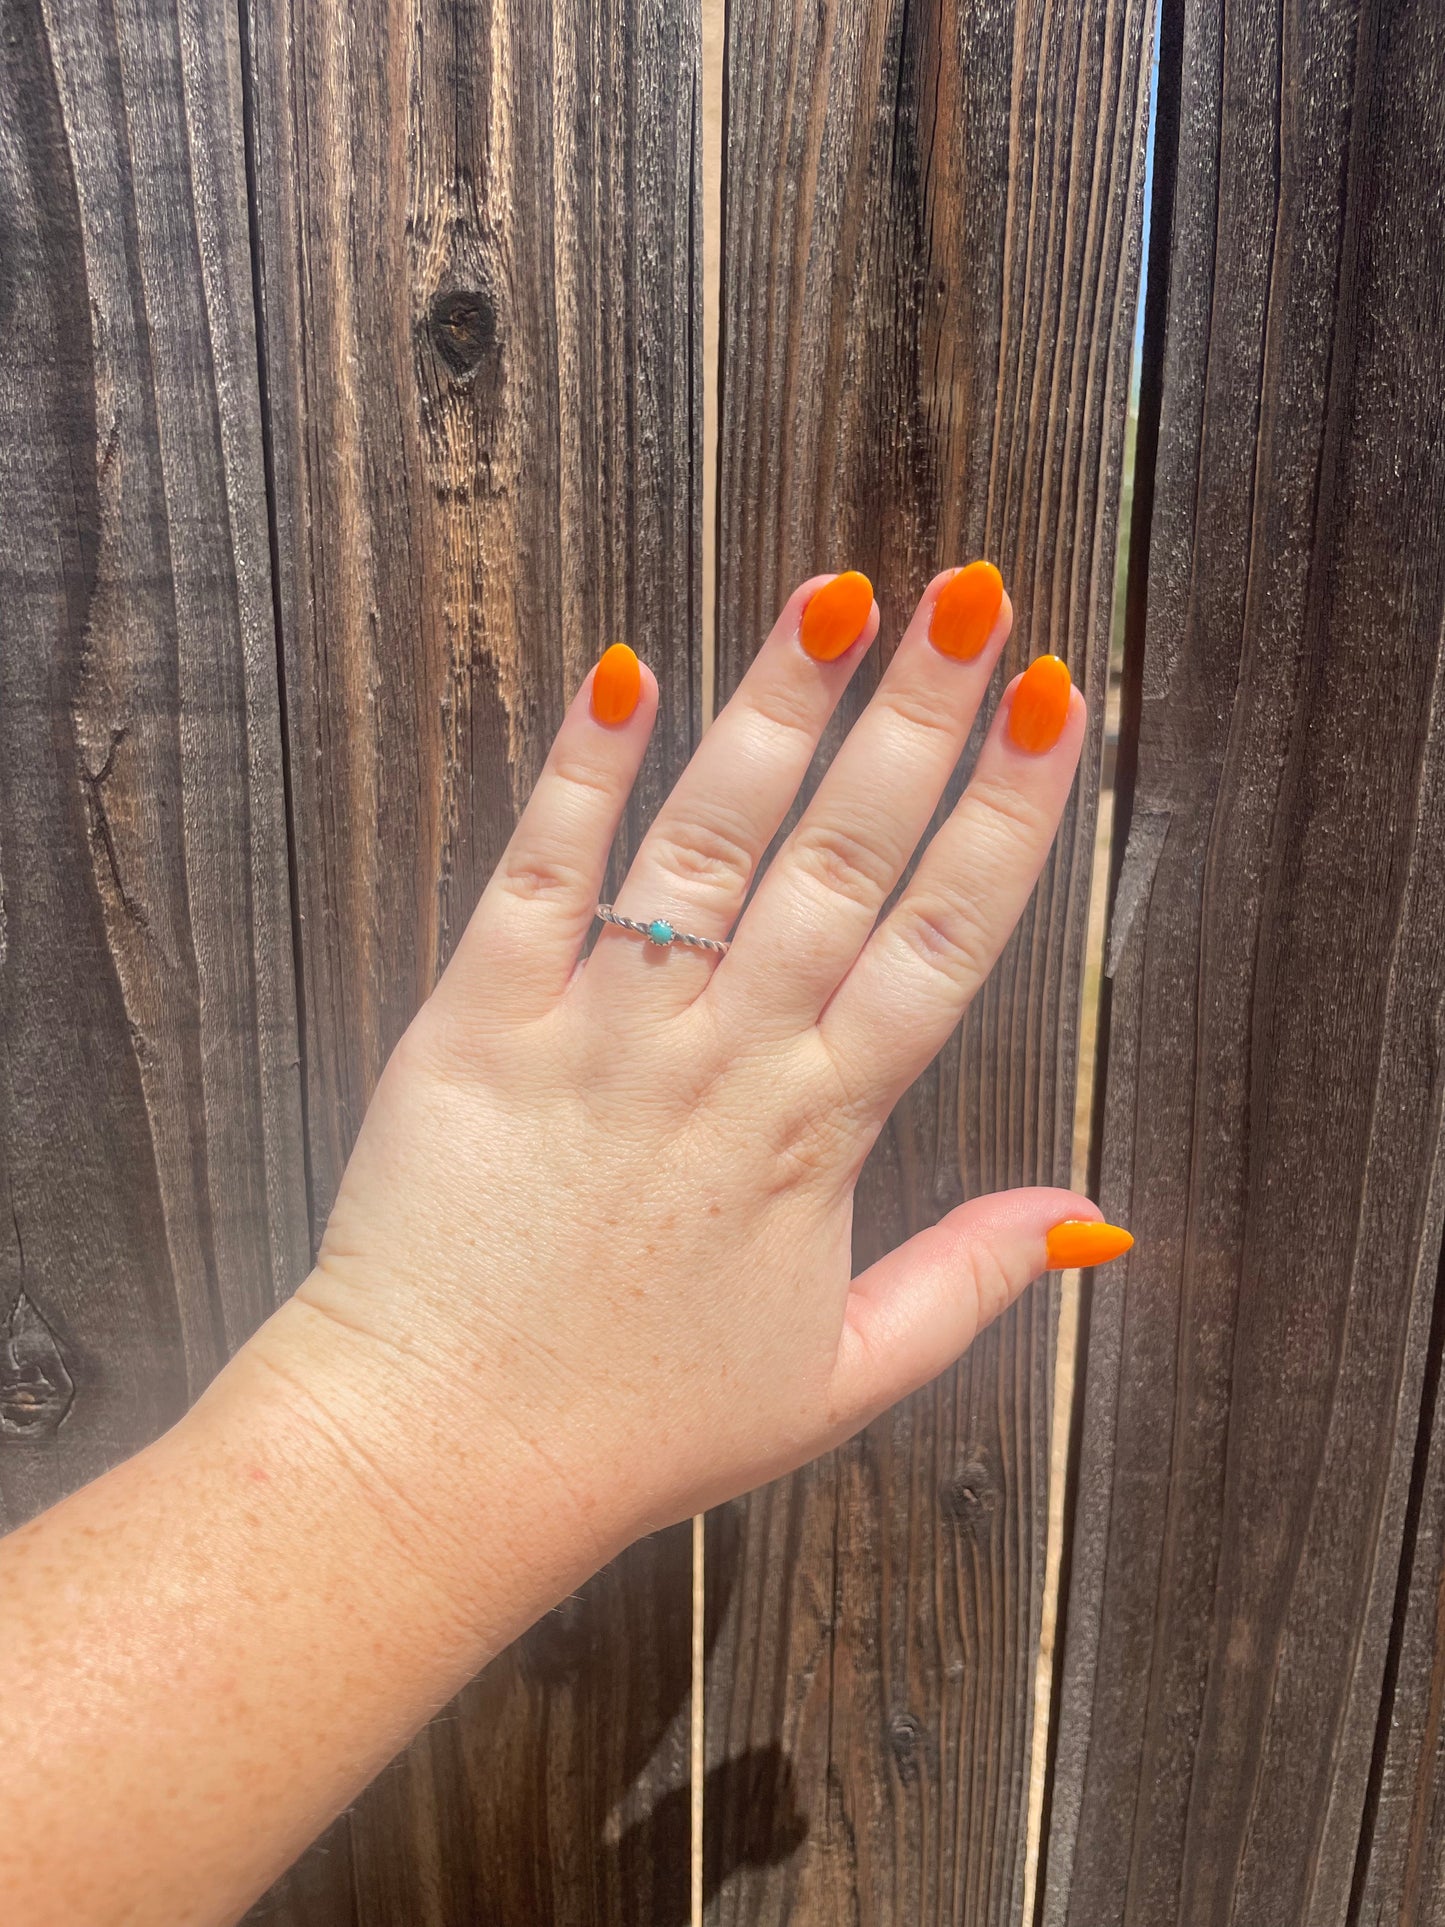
point(906, 1738)
point(462, 325)
point(36, 1389)
point(969, 1497)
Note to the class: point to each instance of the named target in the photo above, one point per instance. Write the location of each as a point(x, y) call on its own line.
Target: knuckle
point(920, 712)
point(843, 864)
point(579, 774)
point(709, 852)
point(537, 878)
point(787, 709)
point(994, 1289)
point(945, 935)
point(1004, 807)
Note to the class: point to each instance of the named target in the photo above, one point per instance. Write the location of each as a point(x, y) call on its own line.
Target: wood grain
point(1400, 1873)
point(930, 266)
point(480, 273)
point(152, 1204)
point(1241, 1738)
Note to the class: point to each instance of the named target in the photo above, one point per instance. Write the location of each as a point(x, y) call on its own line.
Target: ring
point(659, 931)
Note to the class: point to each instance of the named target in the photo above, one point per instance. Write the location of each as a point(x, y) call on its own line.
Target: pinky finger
point(924, 963)
point(527, 932)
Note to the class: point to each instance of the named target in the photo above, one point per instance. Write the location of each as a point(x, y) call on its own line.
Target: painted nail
point(965, 610)
point(1040, 705)
point(616, 684)
point(836, 616)
point(1081, 1241)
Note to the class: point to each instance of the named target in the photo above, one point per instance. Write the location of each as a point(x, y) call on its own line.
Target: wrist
point(264, 1605)
point(451, 1504)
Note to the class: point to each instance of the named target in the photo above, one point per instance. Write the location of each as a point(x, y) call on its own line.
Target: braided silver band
point(659, 931)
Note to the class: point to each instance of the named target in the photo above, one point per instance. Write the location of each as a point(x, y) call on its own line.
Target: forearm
point(212, 1649)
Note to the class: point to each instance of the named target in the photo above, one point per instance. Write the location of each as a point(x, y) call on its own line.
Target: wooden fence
point(354, 391)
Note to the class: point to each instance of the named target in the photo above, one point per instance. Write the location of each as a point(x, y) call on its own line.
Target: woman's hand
point(603, 1206)
point(588, 1271)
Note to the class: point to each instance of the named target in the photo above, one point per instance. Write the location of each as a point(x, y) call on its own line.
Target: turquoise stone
point(660, 932)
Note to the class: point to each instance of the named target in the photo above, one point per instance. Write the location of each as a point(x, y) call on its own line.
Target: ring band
point(659, 931)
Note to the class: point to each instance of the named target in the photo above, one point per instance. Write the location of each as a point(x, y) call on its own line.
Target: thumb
point(912, 1314)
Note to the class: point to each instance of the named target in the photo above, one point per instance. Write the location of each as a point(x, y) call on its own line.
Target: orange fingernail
point(616, 684)
point(836, 616)
point(965, 611)
point(1040, 705)
point(1081, 1241)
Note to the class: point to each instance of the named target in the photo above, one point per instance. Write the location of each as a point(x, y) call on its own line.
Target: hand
point(603, 1207)
point(588, 1270)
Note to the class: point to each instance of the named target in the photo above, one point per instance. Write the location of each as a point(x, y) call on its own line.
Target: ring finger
point(695, 864)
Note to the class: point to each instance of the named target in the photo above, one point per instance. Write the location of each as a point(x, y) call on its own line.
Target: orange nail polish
point(835, 617)
point(616, 684)
point(1040, 705)
point(1080, 1241)
point(965, 610)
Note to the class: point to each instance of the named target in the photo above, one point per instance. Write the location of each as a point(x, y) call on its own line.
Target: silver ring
point(659, 932)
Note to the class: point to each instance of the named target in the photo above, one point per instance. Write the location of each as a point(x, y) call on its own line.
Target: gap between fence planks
point(712, 46)
point(930, 260)
point(1242, 1736)
point(478, 248)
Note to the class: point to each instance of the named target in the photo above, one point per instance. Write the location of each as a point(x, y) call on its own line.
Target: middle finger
point(812, 912)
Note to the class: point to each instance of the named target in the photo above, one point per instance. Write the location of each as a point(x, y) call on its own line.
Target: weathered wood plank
point(1401, 1872)
point(153, 1185)
point(1273, 1112)
point(479, 244)
point(930, 267)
